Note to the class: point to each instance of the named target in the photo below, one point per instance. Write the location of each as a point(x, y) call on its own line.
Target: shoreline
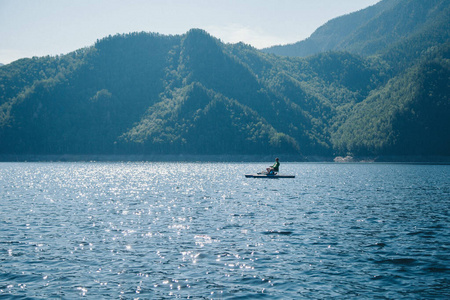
point(219, 158)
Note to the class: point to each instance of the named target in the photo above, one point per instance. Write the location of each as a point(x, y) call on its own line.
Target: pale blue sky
point(49, 27)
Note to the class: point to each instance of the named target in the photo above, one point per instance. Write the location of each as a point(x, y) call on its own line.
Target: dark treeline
point(150, 94)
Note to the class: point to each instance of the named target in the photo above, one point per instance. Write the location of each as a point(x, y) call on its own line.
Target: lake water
point(201, 230)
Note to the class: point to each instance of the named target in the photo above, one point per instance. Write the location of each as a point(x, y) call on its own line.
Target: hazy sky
point(48, 27)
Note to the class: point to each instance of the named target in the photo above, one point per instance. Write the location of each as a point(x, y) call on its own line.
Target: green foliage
point(408, 116)
point(376, 29)
point(201, 121)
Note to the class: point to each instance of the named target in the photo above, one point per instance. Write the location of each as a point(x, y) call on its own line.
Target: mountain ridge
point(146, 94)
point(372, 30)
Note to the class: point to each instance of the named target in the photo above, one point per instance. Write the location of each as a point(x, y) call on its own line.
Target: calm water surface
point(202, 230)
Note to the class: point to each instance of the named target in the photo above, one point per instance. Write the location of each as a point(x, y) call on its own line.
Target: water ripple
point(200, 230)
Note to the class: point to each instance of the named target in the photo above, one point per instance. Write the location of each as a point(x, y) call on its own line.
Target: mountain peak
point(198, 39)
point(371, 30)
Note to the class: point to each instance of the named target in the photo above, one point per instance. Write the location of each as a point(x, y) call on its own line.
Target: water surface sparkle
point(202, 230)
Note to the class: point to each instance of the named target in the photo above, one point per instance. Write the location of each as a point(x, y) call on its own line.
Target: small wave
point(437, 269)
point(398, 261)
point(422, 233)
point(380, 245)
point(278, 232)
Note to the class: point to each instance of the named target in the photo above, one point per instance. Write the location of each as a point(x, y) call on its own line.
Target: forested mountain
point(377, 29)
point(410, 115)
point(145, 93)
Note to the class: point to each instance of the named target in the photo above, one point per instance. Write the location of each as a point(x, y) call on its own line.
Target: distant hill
point(376, 29)
point(146, 93)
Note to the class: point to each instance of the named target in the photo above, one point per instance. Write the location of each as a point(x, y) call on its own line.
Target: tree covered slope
point(145, 93)
point(377, 29)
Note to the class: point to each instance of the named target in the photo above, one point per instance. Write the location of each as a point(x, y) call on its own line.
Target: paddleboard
point(268, 176)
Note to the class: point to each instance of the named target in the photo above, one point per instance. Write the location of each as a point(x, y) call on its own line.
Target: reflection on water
point(200, 230)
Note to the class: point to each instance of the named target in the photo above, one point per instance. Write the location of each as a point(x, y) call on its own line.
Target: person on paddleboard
point(274, 168)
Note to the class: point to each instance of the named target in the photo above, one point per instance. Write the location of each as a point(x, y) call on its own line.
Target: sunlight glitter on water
point(204, 231)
